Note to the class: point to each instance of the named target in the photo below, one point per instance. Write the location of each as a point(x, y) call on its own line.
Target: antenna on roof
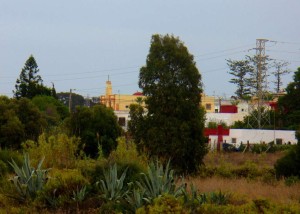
point(108, 77)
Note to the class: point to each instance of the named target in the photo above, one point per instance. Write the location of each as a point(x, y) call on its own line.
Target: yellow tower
point(108, 89)
point(108, 99)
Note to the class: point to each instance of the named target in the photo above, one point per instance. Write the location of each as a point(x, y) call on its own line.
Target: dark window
point(233, 140)
point(208, 106)
point(122, 121)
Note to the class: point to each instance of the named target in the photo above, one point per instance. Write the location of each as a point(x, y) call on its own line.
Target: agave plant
point(112, 187)
point(80, 194)
point(135, 198)
point(219, 198)
point(158, 181)
point(28, 180)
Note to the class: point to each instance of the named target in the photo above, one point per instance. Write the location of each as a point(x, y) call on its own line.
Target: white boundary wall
point(257, 136)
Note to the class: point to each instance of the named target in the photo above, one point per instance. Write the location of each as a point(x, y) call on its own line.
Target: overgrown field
point(52, 176)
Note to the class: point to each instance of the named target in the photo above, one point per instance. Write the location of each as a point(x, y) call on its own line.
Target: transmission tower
point(257, 106)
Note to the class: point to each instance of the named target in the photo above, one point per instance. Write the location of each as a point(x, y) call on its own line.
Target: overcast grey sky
point(77, 44)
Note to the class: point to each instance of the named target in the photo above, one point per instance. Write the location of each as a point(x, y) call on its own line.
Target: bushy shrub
point(289, 165)
point(219, 198)
point(247, 170)
point(291, 180)
point(126, 153)
point(224, 170)
point(260, 148)
point(3, 168)
point(60, 188)
point(269, 176)
point(164, 204)
point(6, 155)
point(59, 150)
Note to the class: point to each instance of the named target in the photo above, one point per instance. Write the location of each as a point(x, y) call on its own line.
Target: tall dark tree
point(290, 103)
point(172, 84)
point(280, 70)
point(240, 70)
point(30, 83)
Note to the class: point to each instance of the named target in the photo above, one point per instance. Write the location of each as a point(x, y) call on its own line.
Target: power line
point(213, 70)
point(224, 55)
point(284, 51)
point(283, 42)
point(221, 51)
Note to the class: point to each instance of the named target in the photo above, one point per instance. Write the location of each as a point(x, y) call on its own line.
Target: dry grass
point(246, 189)
point(238, 158)
point(249, 190)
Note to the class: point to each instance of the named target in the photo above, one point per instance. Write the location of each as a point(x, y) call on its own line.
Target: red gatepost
point(220, 132)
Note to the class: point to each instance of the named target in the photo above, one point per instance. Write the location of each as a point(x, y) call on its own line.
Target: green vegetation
point(79, 162)
point(289, 165)
point(28, 180)
point(96, 126)
point(30, 84)
point(290, 104)
point(172, 84)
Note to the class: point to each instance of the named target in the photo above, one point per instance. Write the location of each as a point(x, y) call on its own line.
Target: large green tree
point(245, 75)
point(30, 84)
point(240, 70)
point(52, 109)
point(20, 120)
point(96, 126)
point(174, 121)
point(290, 103)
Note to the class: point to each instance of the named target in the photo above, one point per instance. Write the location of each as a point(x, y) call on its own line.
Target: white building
point(254, 136)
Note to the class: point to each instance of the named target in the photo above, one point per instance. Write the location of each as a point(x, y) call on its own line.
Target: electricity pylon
point(257, 107)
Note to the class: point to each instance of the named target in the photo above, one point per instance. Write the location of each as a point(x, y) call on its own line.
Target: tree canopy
point(174, 122)
point(240, 70)
point(245, 75)
point(19, 120)
point(290, 103)
point(77, 99)
point(96, 126)
point(30, 84)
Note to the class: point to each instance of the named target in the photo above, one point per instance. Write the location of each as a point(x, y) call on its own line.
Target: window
point(208, 106)
point(233, 140)
point(279, 141)
point(122, 121)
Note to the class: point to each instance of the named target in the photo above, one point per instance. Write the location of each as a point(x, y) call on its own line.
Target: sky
point(78, 44)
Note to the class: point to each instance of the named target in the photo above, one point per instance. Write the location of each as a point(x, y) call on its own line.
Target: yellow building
point(208, 102)
point(118, 102)
point(121, 102)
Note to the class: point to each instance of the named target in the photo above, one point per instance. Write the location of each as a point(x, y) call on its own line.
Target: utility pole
point(70, 100)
